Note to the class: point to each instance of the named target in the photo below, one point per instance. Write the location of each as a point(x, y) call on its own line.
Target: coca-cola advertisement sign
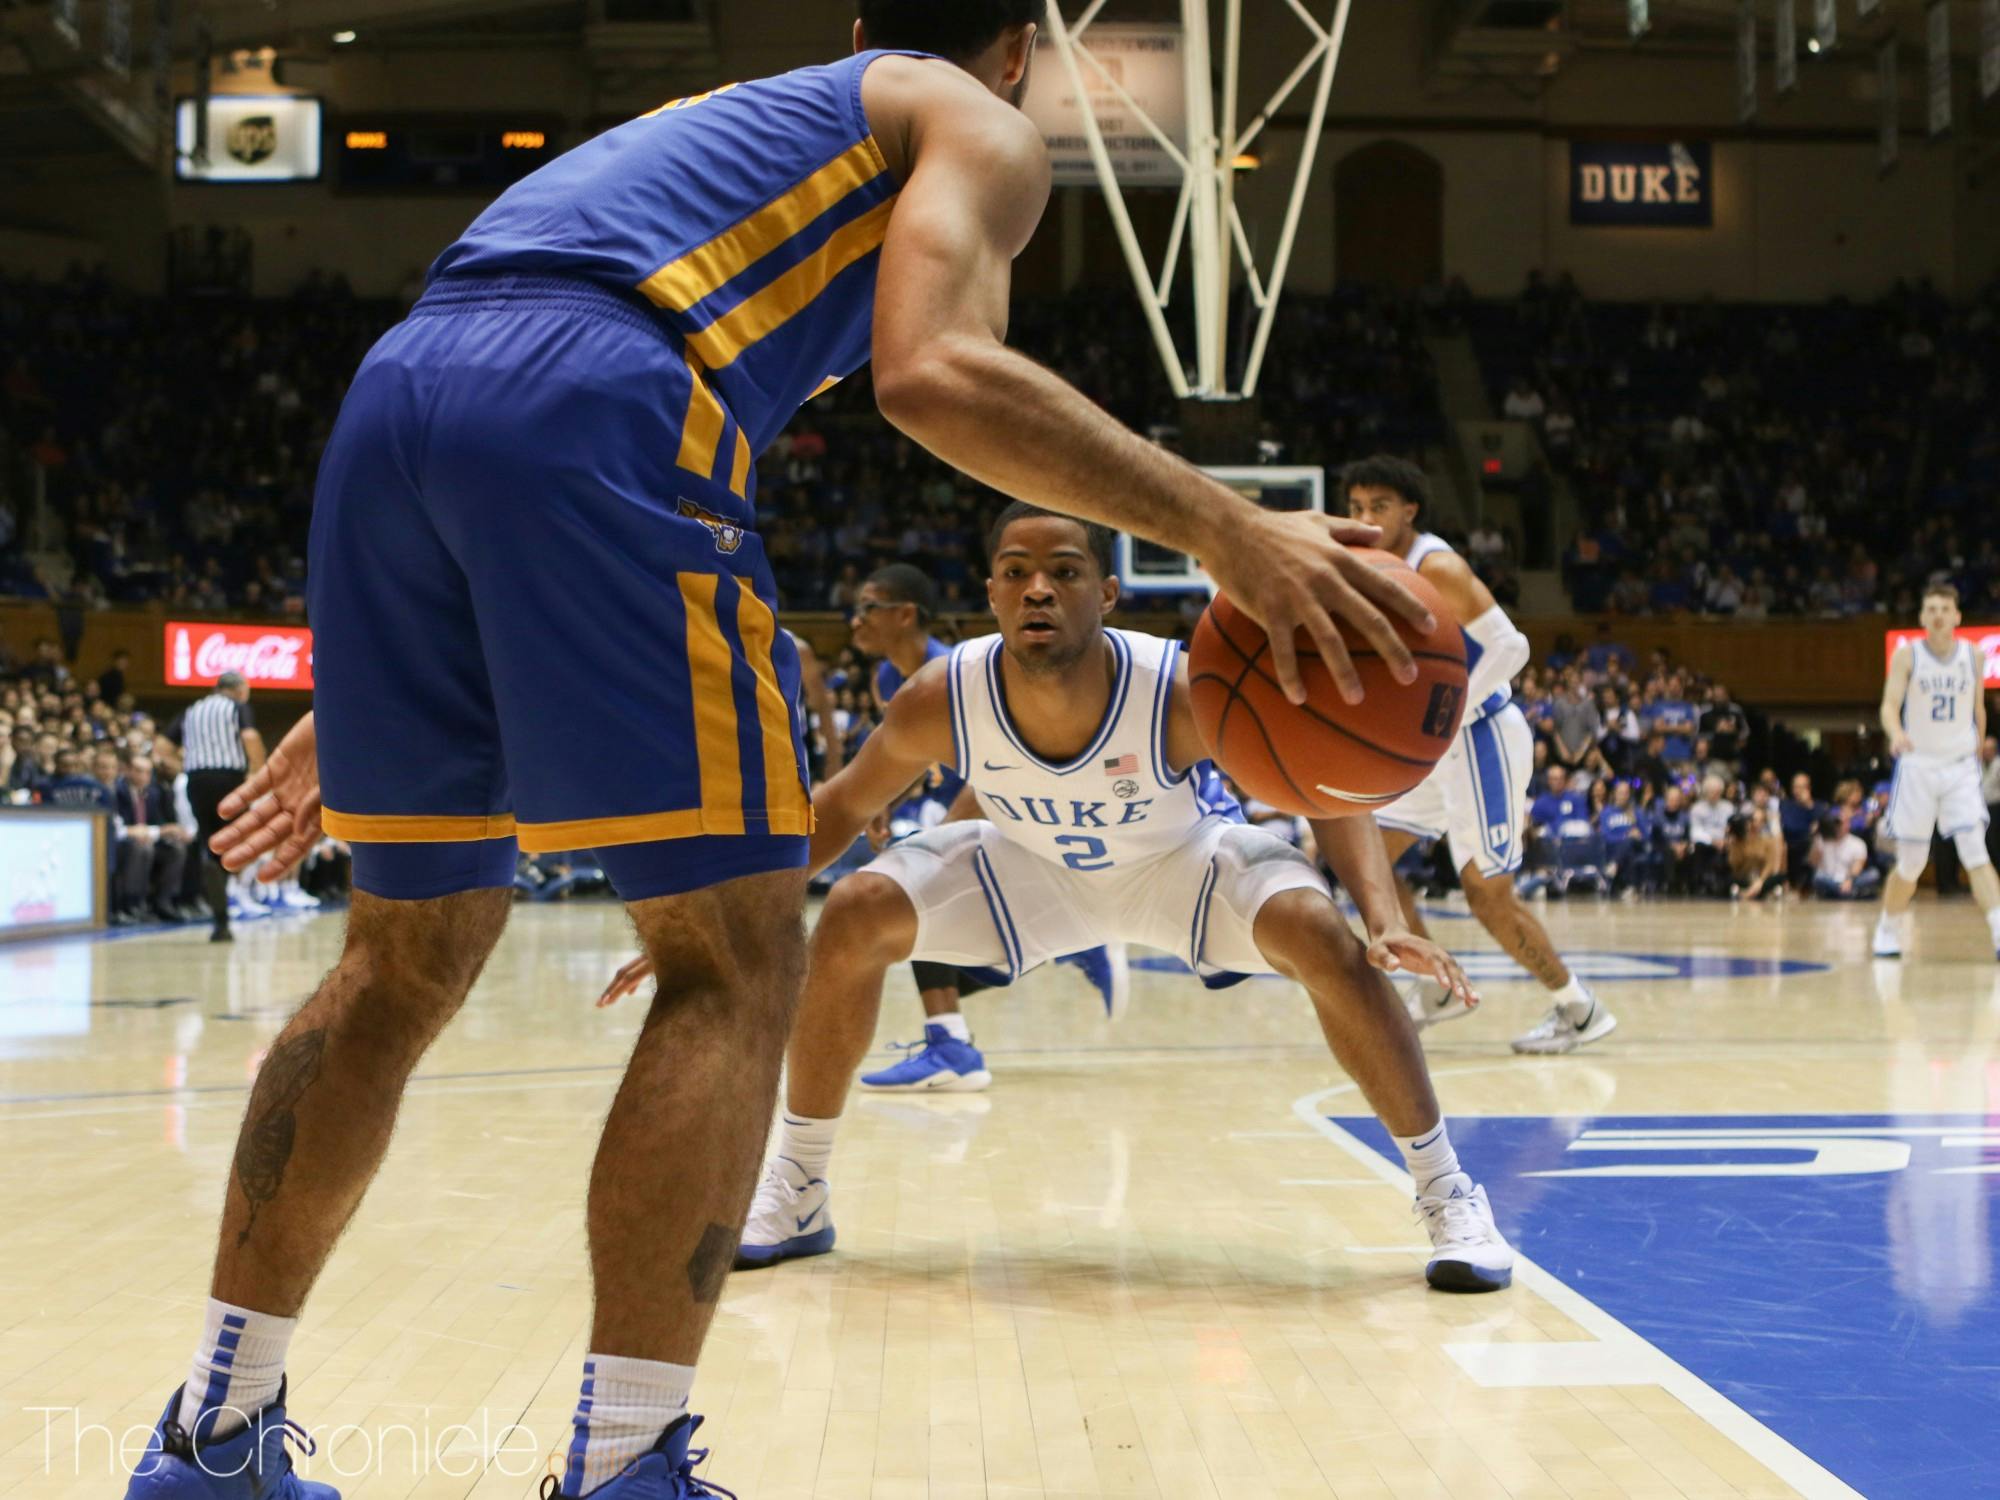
point(1985, 640)
point(267, 656)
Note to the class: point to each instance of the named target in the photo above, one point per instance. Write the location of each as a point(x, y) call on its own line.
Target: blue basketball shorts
point(542, 619)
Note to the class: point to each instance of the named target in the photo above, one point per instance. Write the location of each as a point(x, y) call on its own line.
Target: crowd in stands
point(1654, 779)
point(1759, 460)
point(66, 742)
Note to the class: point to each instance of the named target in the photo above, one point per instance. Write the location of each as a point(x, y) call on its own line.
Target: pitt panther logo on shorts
point(728, 535)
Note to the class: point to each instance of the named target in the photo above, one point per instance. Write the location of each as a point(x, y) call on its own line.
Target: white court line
point(1617, 1356)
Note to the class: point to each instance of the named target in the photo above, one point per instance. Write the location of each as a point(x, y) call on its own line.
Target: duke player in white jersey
point(1477, 796)
point(1101, 821)
point(1934, 712)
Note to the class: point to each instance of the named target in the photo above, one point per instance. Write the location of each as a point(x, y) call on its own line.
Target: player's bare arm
point(1900, 666)
point(1354, 848)
point(812, 683)
point(1461, 589)
point(915, 735)
point(976, 181)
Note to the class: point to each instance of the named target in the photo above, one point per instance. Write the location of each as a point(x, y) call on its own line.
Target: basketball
point(1327, 758)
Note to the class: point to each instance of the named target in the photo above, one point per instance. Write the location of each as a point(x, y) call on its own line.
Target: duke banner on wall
point(1666, 184)
point(1143, 60)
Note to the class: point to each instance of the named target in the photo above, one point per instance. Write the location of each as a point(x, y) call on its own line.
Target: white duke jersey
point(1938, 703)
point(1118, 802)
point(1425, 545)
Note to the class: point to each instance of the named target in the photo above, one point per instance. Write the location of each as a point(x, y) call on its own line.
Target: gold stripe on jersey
point(719, 344)
point(739, 471)
point(701, 428)
point(689, 102)
point(712, 689)
point(785, 802)
point(681, 283)
point(406, 828)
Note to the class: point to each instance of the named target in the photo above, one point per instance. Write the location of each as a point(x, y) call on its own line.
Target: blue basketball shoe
point(789, 1218)
point(939, 1064)
point(667, 1473)
point(1109, 973)
point(248, 1465)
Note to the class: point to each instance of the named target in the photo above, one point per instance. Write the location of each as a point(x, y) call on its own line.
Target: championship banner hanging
point(1137, 76)
point(1937, 29)
point(1784, 47)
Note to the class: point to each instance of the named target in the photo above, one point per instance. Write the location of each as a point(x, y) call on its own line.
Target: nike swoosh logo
point(1334, 791)
point(991, 767)
point(805, 1221)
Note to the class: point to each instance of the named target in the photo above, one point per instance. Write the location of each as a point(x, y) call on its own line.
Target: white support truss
point(1207, 226)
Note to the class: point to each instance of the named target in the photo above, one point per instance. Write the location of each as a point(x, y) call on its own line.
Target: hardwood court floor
point(1156, 1259)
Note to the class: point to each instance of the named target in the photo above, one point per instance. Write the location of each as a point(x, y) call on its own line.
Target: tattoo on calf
point(271, 1129)
point(709, 1266)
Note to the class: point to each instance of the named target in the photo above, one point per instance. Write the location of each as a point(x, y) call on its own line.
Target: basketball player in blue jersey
point(1100, 819)
point(1934, 712)
point(1476, 796)
point(571, 412)
point(892, 624)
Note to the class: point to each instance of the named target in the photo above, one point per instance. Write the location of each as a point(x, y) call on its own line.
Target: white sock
point(807, 1141)
point(1428, 1156)
point(238, 1367)
point(1993, 925)
point(954, 1023)
point(1575, 1000)
point(626, 1404)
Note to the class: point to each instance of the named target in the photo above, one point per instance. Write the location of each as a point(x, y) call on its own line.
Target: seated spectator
point(152, 850)
point(1756, 858)
point(1626, 833)
point(1673, 843)
point(1523, 402)
point(1839, 863)
point(73, 785)
point(1708, 835)
point(1799, 817)
point(1577, 725)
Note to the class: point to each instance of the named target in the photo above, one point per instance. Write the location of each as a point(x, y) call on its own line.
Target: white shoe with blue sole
point(790, 1218)
point(1468, 1252)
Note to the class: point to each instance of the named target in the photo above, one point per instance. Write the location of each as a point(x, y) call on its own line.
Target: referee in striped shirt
point(219, 747)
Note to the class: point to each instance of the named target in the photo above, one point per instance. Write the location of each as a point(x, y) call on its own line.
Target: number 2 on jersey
point(1089, 855)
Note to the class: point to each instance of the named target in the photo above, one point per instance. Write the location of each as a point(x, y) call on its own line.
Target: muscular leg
point(674, 1169)
point(325, 1099)
point(867, 925)
point(1306, 939)
point(1513, 926)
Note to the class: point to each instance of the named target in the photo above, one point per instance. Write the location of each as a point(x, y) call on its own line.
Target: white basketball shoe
point(1468, 1252)
point(1559, 1031)
point(1427, 1001)
point(790, 1217)
point(1888, 941)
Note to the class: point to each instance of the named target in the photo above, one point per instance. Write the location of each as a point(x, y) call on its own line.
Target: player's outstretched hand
point(1293, 570)
point(625, 981)
point(275, 814)
point(1405, 952)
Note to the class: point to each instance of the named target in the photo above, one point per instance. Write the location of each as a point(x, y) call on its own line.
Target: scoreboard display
point(437, 155)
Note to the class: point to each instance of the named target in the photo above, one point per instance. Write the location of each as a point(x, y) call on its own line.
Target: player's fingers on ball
point(1376, 629)
point(1333, 651)
point(1383, 588)
point(1353, 533)
point(1285, 661)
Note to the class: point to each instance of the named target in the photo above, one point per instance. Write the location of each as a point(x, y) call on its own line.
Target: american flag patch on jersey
point(1124, 765)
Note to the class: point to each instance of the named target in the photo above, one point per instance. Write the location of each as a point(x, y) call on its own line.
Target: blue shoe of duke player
point(667, 1473)
point(1109, 973)
point(248, 1465)
point(939, 1064)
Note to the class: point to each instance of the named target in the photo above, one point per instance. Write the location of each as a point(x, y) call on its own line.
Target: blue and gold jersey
point(750, 216)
